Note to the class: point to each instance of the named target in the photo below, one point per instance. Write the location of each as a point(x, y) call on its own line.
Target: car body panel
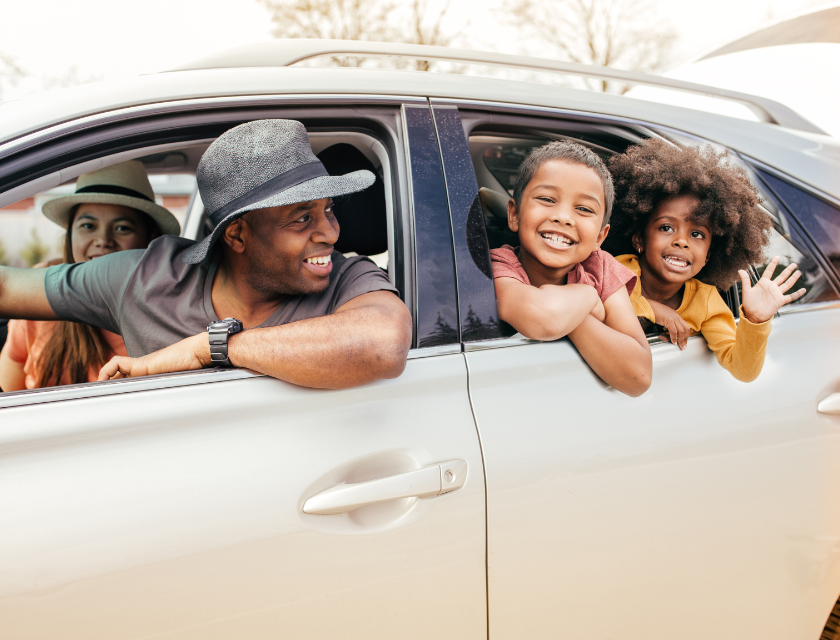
point(699, 510)
point(177, 512)
point(817, 157)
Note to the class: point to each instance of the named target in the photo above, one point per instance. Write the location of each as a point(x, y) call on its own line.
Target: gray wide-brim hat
point(125, 184)
point(261, 164)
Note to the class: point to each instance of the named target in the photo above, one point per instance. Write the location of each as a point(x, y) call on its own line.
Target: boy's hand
point(762, 301)
point(678, 329)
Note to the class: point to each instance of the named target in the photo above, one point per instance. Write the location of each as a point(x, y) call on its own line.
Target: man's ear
point(602, 235)
point(513, 216)
point(233, 235)
point(638, 245)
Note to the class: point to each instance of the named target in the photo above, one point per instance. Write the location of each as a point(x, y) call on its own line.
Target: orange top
point(26, 342)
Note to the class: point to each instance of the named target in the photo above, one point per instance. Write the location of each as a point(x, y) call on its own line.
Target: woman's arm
point(12, 376)
point(616, 349)
point(548, 312)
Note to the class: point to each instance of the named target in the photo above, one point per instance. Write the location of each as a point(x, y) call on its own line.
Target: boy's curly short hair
point(653, 171)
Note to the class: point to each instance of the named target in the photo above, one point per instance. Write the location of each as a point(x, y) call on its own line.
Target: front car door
point(176, 505)
point(705, 508)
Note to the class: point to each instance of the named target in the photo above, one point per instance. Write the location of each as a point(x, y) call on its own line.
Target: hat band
point(276, 185)
point(115, 190)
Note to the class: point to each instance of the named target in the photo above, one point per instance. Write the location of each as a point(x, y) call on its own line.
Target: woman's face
point(100, 229)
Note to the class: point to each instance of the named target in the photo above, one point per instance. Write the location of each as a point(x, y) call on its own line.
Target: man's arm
point(616, 349)
point(548, 312)
point(365, 339)
point(23, 295)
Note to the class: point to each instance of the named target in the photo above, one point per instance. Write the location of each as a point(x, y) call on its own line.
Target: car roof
point(812, 158)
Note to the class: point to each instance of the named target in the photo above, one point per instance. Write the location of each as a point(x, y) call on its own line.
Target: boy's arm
point(548, 312)
point(23, 294)
point(616, 349)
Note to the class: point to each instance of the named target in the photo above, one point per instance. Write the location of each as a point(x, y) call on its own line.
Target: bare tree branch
point(599, 32)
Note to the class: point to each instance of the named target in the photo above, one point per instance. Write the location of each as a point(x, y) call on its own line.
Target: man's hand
point(762, 301)
point(677, 328)
point(186, 355)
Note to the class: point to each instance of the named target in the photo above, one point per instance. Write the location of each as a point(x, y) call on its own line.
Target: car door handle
point(830, 405)
point(433, 480)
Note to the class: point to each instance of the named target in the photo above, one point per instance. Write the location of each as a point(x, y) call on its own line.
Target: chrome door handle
point(830, 405)
point(423, 483)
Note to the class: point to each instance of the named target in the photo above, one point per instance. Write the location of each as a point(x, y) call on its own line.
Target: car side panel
point(177, 513)
point(704, 509)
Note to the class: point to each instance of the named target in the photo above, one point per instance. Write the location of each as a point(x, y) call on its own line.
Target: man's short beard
point(267, 284)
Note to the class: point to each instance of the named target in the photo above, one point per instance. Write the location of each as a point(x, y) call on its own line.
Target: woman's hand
point(762, 301)
point(678, 329)
point(186, 355)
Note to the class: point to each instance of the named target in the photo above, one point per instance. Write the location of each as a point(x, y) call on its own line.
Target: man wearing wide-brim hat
point(265, 290)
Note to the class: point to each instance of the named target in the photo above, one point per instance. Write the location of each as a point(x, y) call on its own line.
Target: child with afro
point(557, 282)
point(688, 223)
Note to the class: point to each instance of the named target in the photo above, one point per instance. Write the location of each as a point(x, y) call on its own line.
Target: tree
point(617, 33)
point(34, 251)
point(378, 20)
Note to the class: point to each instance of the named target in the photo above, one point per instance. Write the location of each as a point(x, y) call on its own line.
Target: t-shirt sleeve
point(506, 265)
point(92, 292)
point(615, 276)
point(360, 277)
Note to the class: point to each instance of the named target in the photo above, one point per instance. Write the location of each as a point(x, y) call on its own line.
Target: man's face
point(287, 249)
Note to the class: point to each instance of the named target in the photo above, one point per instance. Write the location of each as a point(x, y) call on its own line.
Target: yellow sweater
point(740, 351)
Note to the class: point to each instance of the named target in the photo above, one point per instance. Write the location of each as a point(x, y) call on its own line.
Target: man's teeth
point(322, 260)
point(677, 262)
point(556, 238)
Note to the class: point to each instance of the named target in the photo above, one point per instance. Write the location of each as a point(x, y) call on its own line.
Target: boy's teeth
point(552, 237)
point(677, 262)
point(320, 260)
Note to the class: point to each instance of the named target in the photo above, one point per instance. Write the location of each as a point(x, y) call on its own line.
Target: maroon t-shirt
point(599, 270)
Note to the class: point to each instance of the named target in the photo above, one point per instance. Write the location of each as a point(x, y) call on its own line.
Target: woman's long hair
point(73, 348)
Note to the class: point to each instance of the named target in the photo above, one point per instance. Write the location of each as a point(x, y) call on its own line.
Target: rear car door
point(220, 503)
point(705, 508)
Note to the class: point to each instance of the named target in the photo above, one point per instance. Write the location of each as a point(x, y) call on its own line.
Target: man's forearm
point(336, 351)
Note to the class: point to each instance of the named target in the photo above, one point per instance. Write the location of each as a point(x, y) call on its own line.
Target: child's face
point(559, 218)
point(672, 247)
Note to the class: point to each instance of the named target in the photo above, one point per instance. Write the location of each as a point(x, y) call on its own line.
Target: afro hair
point(655, 170)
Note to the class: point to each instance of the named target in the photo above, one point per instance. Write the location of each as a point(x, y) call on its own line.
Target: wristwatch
point(217, 334)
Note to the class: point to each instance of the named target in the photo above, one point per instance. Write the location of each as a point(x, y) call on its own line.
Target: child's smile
point(558, 220)
point(673, 248)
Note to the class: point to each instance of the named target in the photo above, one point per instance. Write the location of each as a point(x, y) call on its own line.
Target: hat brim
point(314, 189)
point(58, 209)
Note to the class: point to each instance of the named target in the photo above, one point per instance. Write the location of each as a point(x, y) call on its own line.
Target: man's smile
point(320, 265)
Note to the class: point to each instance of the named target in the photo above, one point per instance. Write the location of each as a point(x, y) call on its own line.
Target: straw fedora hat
point(124, 184)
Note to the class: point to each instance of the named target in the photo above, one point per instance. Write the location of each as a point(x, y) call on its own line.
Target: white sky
point(109, 38)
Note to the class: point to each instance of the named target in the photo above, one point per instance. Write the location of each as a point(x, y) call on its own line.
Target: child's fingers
point(784, 286)
point(794, 296)
point(745, 280)
point(785, 274)
point(771, 268)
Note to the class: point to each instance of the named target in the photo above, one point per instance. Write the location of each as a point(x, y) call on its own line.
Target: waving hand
point(762, 301)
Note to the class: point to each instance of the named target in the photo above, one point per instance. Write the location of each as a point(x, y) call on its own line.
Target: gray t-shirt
point(153, 299)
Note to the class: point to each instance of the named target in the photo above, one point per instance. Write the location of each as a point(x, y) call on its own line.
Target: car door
point(226, 504)
point(705, 508)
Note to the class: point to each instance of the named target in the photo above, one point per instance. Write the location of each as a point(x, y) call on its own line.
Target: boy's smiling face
point(673, 248)
point(558, 220)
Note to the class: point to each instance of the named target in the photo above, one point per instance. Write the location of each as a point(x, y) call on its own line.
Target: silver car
point(497, 488)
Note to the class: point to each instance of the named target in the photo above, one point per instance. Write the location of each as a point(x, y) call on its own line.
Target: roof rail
point(284, 53)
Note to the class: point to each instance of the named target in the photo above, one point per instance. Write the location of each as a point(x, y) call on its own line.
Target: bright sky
point(109, 38)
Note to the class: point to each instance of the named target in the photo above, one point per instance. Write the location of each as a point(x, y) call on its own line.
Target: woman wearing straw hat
point(112, 209)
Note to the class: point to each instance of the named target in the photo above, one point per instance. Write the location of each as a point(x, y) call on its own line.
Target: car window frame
point(43, 155)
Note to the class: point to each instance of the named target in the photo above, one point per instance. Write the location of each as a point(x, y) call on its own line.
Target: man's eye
point(304, 218)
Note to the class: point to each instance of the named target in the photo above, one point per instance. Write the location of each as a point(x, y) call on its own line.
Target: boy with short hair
point(558, 282)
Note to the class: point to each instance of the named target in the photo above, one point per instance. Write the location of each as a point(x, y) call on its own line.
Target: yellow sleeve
point(740, 351)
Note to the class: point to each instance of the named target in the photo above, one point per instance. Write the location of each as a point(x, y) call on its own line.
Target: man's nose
point(327, 229)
